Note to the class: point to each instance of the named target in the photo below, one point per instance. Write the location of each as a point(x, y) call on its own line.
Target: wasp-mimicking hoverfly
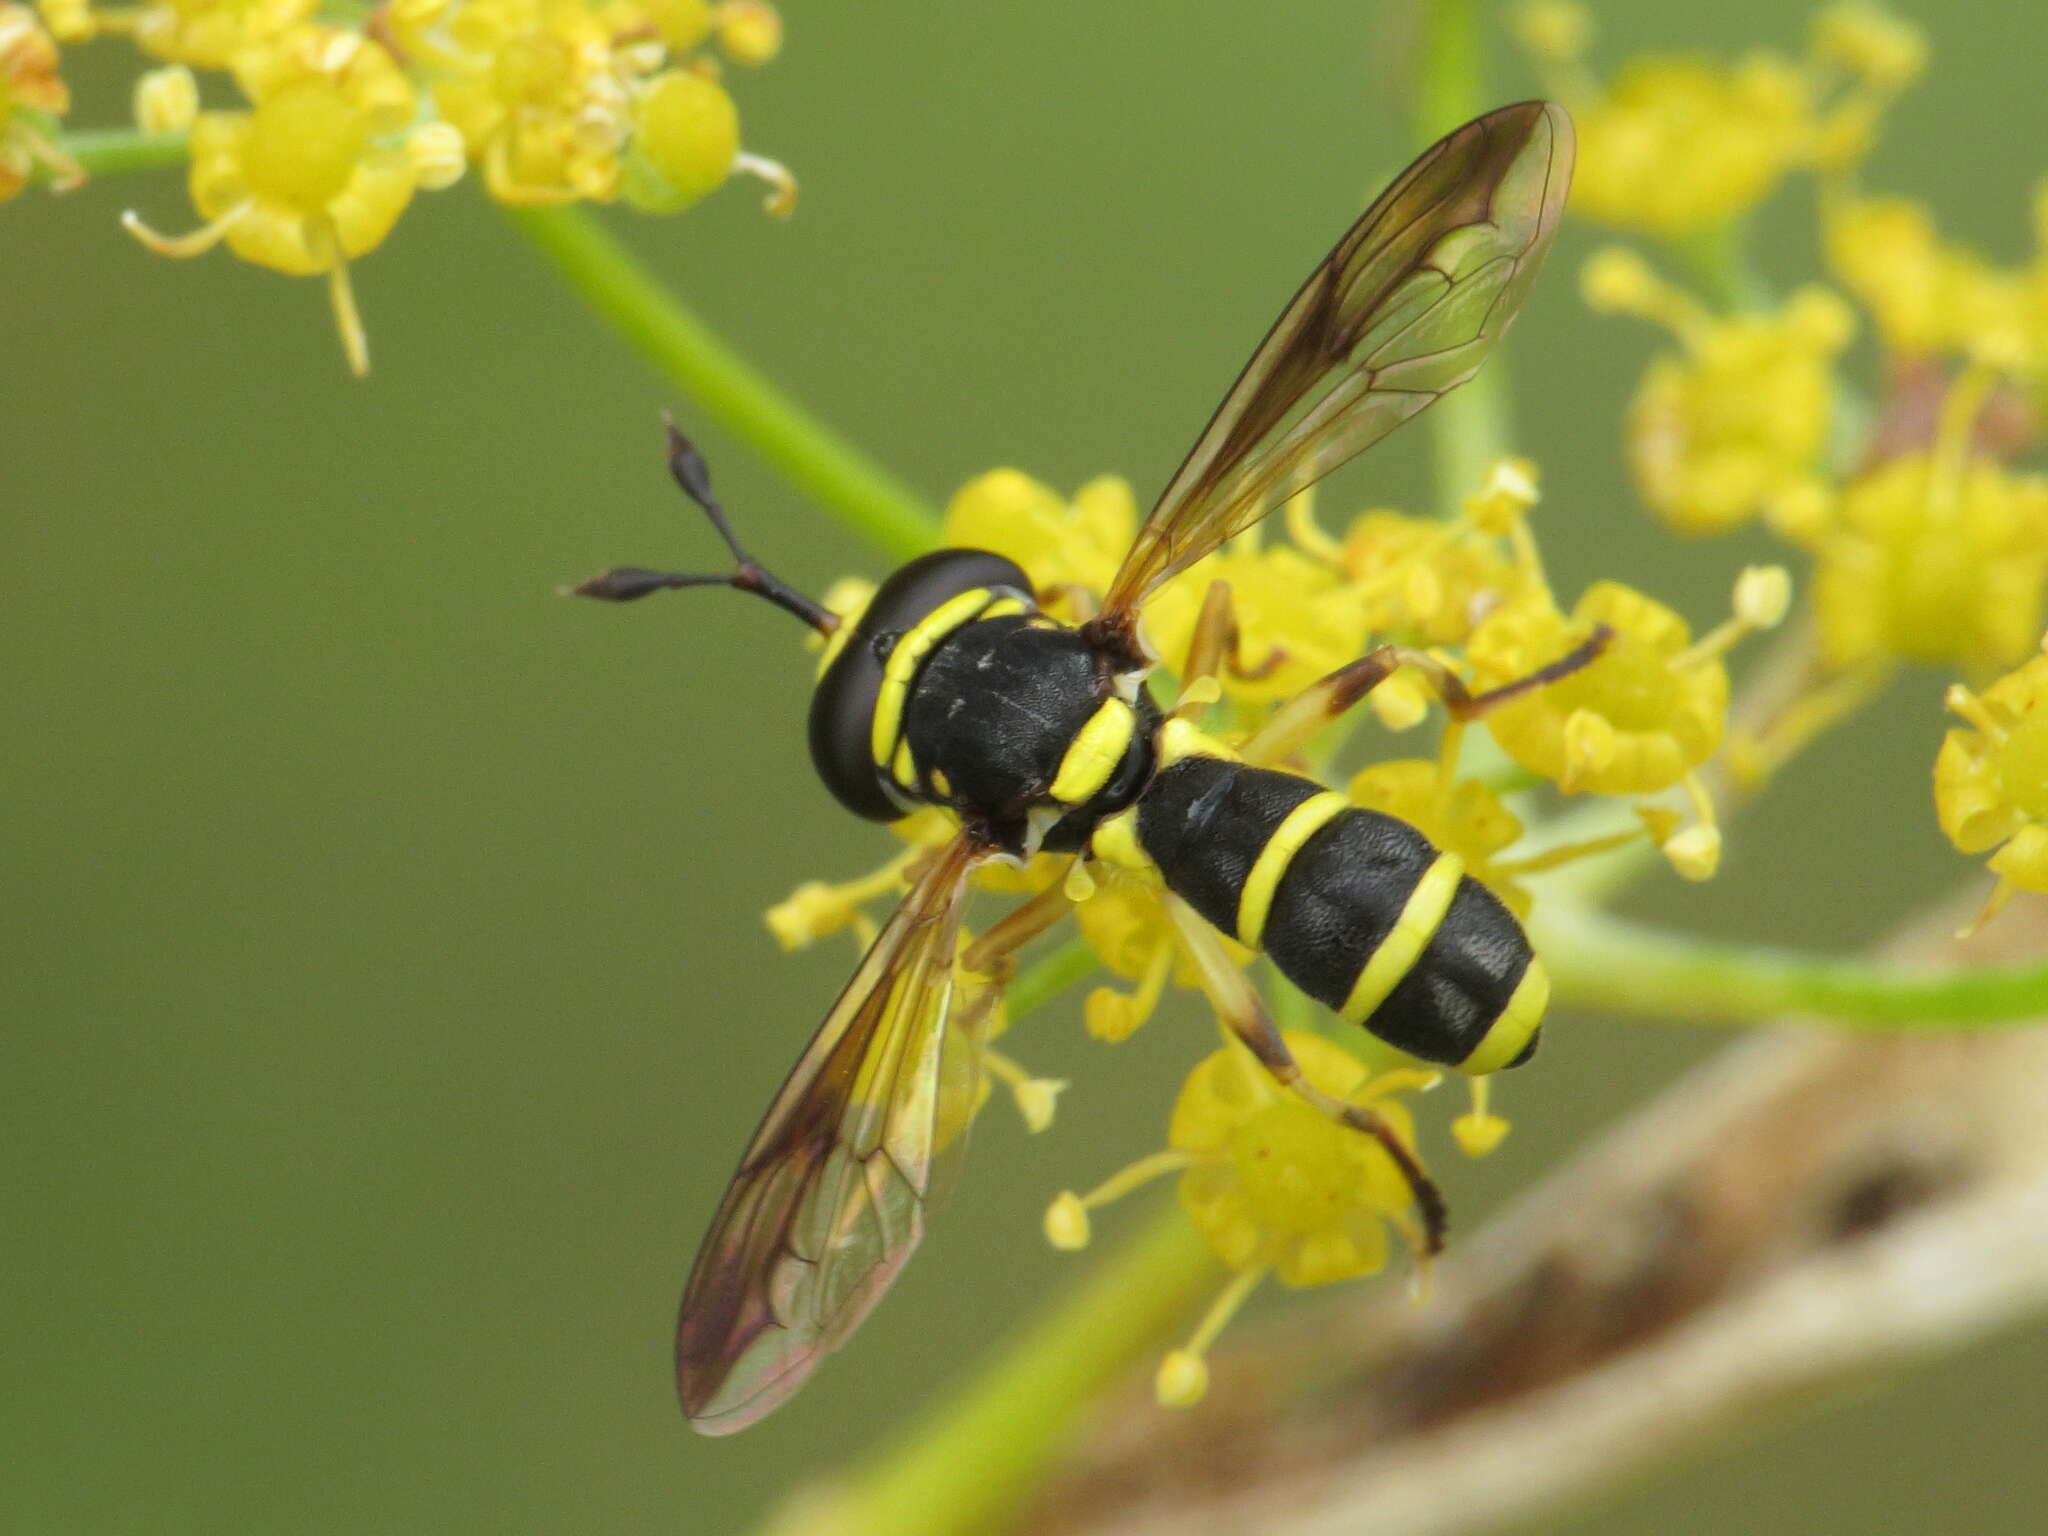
point(953, 688)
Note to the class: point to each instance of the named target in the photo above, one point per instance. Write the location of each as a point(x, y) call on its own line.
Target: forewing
point(1399, 314)
point(829, 1199)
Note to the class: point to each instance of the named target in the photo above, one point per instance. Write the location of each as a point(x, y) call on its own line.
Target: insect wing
point(1403, 311)
point(829, 1199)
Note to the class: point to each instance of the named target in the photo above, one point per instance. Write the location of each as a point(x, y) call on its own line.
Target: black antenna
point(629, 583)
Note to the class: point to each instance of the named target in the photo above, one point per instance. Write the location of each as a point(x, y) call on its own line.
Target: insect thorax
point(955, 690)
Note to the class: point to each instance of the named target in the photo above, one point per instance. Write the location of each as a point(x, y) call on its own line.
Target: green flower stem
point(122, 151)
point(1607, 963)
point(1718, 256)
point(967, 1467)
point(725, 385)
point(1469, 428)
point(1067, 966)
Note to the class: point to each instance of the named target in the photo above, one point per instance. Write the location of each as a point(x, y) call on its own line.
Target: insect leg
point(1292, 725)
point(990, 956)
point(1237, 1004)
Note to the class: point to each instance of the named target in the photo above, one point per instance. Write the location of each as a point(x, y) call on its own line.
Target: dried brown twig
point(1807, 1208)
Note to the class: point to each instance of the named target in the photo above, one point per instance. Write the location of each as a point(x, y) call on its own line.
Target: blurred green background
point(385, 990)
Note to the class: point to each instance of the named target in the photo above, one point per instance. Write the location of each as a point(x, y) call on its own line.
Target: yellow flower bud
point(166, 99)
point(686, 133)
point(749, 31)
point(437, 154)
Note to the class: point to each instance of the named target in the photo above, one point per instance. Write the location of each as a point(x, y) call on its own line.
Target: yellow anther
point(1763, 595)
point(1479, 1131)
point(1589, 747)
point(1037, 1097)
point(1066, 1222)
point(1183, 1379)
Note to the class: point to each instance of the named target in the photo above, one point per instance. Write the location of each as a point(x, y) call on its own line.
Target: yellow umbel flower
point(1991, 779)
point(686, 136)
point(541, 97)
point(314, 175)
point(1271, 1182)
point(1422, 579)
point(1740, 421)
point(1676, 145)
point(1274, 1185)
point(211, 34)
point(1927, 294)
point(1647, 711)
point(32, 97)
point(1928, 559)
point(1297, 619)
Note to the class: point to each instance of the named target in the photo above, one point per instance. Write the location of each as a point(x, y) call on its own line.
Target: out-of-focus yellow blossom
point(1927, 294)
point(749, 31)
point(311, 177)
point(208, 34)
point(1675, 145)
point(32, 97)
point(1991, 779)
point(1740, 421)
point(1928, 559)
point(1062, 544)
point(1870, 43)
point(1273, 1185)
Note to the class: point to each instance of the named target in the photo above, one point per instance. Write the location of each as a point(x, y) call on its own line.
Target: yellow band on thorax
point(1421, 915)
point(1299, 825)
point(1092, 756)
point(900, 669)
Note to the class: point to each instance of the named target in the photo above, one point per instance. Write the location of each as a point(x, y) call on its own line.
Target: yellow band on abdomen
point(1299, 825)
point(1421, 915)
point(1509, 1035)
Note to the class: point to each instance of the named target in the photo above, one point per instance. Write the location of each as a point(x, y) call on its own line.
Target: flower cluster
point(340, 125)
point(1676, 146)
point(1926, 544)
point(1276, 1186)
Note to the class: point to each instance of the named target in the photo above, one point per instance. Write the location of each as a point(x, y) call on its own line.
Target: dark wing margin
point(829, 1200)
point(1403, 311)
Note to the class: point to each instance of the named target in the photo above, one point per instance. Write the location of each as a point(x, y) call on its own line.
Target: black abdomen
point(1357, 909)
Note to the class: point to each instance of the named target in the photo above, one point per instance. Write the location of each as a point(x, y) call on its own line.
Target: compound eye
point(843, 708)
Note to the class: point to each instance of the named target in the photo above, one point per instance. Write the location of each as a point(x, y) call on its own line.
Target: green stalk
point(724, 385)
point(1072, 963)
point(121, 151)
point(1606, 963)
point(1469, 428)
point(966, 1467)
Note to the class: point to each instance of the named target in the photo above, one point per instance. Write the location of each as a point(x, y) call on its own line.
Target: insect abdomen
point(1355, 907)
